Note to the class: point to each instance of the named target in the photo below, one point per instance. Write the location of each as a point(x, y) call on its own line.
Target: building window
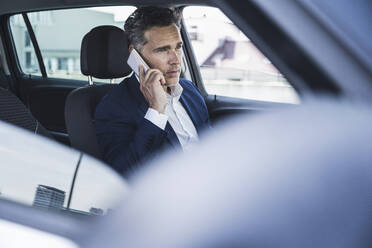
point(28, 59)
point(27, 39)
point(193, 35)
point(49, 64)
point(62, 64)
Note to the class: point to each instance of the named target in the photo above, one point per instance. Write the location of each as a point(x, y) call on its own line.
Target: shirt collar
point(176, 93)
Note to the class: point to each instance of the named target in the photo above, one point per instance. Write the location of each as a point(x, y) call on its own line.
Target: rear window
point(59, 34)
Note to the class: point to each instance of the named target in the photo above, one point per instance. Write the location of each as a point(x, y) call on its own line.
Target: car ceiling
point(16, 6)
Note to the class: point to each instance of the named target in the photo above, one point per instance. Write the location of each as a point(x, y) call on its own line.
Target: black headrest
point(104, 53)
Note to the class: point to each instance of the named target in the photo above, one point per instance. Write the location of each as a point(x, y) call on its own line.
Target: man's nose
point(174, 57)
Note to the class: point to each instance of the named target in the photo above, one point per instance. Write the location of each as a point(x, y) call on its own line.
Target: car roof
point(17, 6)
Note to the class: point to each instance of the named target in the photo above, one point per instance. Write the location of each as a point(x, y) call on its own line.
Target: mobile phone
point(135, 60)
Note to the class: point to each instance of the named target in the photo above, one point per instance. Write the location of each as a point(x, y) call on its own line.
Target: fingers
point(151, 88)
point(152, 76)
point(156, 77)
point(141, 73)
point(162, 81)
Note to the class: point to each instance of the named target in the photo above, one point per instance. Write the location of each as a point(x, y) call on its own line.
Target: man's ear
point(131, 47)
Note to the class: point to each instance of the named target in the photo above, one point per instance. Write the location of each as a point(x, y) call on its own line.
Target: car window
point(34, 181)
point(42, 173)
point(24, 47)
point(97, 189)
point(59, 34)
point(230, 64)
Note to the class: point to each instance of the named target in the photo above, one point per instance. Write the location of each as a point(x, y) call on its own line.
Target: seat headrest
point(104, 53)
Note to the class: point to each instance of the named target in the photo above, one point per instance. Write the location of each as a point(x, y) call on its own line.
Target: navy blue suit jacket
point(126, 138)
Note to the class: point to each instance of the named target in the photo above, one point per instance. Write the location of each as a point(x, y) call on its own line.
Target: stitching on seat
point(37, 127)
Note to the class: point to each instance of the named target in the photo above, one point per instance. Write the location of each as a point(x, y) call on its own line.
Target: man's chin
point(172, 81)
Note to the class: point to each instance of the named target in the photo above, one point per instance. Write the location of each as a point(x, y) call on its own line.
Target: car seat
point(104, 52)
point(13, 111)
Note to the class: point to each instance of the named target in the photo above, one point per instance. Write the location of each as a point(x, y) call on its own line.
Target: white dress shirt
point(178, 118)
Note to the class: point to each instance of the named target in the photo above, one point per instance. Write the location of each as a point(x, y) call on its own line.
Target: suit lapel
point(142, 105)
point(172, 136)
point(189, 105)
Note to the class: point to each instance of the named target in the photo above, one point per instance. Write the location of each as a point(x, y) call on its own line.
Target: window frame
point(190, 57)
point(35, 45)
point(14, 59)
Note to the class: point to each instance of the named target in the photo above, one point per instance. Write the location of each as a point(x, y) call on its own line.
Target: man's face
point(163, 51)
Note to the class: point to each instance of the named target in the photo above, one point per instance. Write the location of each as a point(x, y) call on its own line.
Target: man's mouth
point(173, 73)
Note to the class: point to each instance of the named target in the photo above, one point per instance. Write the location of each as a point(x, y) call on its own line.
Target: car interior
point(57, 103)
point(59, 58)
point(45, 96)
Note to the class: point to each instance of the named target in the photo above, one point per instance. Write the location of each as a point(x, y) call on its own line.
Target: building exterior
point(60, 52)
point(49, 197)
point(228, 50)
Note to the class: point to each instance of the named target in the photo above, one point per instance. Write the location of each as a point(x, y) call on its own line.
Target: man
point(157, 110)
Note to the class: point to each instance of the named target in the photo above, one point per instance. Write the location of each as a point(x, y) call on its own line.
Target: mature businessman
point(158, 110)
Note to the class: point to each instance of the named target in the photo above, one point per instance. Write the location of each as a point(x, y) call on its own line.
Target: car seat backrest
point(4, 80)
point(13, 111)
point(104, 52)
point(79, 115)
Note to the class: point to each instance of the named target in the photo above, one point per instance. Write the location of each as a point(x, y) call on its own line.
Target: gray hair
point(145, 18)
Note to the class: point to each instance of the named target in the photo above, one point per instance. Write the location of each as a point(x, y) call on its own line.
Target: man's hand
point(152, 89)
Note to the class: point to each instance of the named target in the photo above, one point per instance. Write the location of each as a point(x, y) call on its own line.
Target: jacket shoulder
point(115, 99)
point(190, 87)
